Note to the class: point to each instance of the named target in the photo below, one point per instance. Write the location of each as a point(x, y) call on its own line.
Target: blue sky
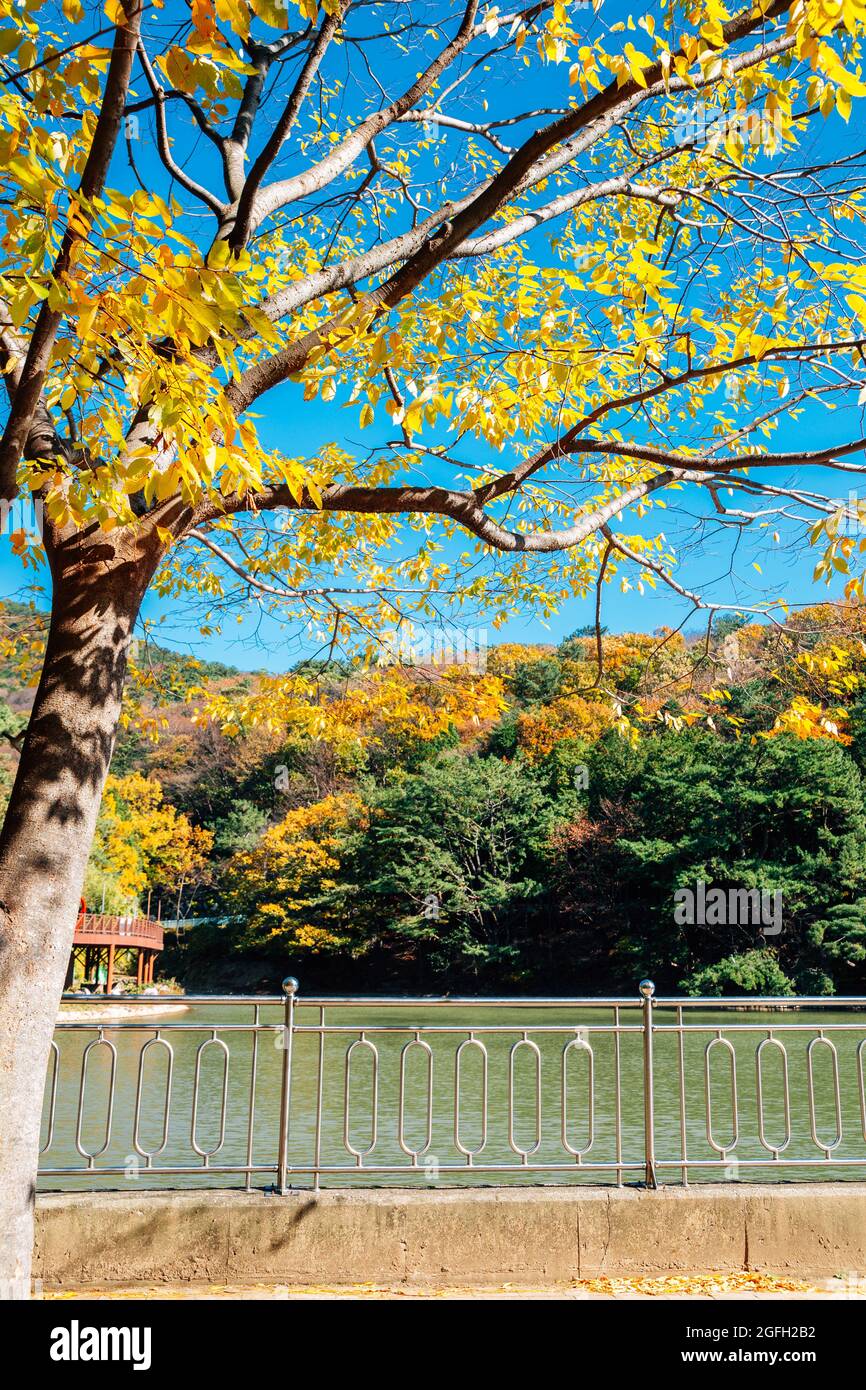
point(303, 431)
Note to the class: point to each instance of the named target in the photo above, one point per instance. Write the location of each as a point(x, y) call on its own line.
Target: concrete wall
point(482, 1236)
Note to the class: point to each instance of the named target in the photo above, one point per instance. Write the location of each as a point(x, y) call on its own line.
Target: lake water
point(542, 1064)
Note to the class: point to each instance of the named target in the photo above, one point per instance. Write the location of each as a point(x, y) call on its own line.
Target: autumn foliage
point(142, 843)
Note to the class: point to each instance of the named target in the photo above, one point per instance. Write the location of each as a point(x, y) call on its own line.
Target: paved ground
point(713, 1286)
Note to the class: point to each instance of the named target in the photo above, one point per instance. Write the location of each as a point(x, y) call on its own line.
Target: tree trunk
point(98, 586)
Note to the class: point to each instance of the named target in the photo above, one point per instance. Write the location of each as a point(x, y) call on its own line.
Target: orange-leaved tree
point(141, 842)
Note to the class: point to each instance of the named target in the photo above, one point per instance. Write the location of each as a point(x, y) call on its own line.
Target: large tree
point(579, 266)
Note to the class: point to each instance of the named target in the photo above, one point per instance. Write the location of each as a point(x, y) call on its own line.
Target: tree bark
point(99, 583)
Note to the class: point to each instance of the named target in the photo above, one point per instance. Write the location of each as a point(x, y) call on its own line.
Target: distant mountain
point(177, 671)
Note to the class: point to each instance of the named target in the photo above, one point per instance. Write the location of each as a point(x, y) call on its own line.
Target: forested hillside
point(522, 823)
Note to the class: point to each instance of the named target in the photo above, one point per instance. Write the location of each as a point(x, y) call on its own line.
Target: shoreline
point(101, 1010)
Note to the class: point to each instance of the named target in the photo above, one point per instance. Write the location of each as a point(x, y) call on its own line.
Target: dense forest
point(519, 823)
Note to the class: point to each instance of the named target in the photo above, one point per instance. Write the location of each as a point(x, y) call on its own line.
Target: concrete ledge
point(481, 1236)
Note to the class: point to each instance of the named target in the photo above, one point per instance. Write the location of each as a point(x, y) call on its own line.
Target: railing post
point(648, 989)
point(290, 989)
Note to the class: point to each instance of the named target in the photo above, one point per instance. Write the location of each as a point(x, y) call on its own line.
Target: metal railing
point(451, 1091)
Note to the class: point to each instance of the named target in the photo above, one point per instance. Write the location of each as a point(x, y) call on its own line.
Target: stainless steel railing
point(423, 1091)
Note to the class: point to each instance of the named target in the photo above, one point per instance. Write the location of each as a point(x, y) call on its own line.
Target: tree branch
point(240, 229)
point(27, 393)
point(281, 193)
point(605, 106)
point(197, 190)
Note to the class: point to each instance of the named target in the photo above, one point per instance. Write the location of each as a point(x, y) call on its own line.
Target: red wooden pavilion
point(100, 938)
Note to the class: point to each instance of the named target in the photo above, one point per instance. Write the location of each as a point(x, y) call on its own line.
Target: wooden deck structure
point(99, 938)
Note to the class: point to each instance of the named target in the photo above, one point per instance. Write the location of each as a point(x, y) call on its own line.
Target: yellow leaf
point(236, 14)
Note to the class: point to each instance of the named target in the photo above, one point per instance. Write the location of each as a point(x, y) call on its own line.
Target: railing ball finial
point(647, 988)
point(290, 985)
